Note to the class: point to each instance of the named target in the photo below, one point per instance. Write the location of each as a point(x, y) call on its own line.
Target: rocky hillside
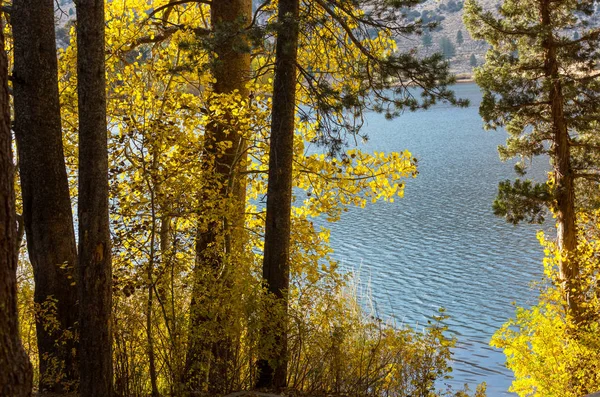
point(450, 37)
point(64, 11)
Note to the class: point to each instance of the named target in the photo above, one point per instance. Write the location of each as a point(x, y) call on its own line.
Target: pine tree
point(16, 374)
point(542, 86)
point(94, 265)
point(47, 214)
point(427, 40)
point(447, 48)
point(473, 60)
point(272, 371)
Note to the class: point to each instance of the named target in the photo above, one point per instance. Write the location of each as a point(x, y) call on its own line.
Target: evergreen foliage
point(459, 37)
point(540, 82)
point(447, 48)
point(522, 200)
point(431, 18)
point(452, 6)
point(455, 6)
point(516, 91)
point(427, 40)
point(473, 60)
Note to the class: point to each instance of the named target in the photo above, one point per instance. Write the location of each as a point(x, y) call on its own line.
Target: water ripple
point(441, 246)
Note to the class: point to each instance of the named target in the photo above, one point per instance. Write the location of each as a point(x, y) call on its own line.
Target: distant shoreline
point(463, 78)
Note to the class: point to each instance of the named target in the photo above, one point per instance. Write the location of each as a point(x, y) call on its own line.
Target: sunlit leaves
point(164, 192)
point(547, 351)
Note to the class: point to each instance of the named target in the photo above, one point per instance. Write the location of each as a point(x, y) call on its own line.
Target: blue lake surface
point(441, 245)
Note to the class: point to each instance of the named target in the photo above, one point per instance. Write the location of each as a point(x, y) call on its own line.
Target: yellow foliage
point(550, 354)
point(160, 106)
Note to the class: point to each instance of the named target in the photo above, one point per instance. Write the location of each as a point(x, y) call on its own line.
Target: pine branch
point(348, 30)
point(588, 175)
point(593, 35)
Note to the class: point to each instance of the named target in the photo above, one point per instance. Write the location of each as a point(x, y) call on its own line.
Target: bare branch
point(176, 3)
point(165, 34)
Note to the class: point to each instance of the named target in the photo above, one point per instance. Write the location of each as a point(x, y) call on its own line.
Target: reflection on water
point(441, 246)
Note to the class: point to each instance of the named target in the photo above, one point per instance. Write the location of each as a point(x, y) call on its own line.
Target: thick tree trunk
point(95, 297)
point(47, 211)
point(563, 173)
point(273, 372)
point(16, 375)
point(210, 362)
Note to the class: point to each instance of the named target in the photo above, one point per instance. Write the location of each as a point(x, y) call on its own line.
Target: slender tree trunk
point(563, 172)
point(211, 361)
point(150, 341)
point(47, 211)
point(166, 295)
point(16, 374)
point(150, 300)
point(95, 295)
point(273, 373)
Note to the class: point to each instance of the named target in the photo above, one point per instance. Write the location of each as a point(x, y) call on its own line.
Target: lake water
point(441, 245)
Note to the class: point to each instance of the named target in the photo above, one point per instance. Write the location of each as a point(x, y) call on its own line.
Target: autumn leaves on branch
point(175, 121)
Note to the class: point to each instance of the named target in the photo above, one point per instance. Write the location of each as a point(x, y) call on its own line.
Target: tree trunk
point(95, 295)
point(273, 373)
point(211, 361)
point(150, 299)
point(563, 172)
point(16, 374)
point(46, 201)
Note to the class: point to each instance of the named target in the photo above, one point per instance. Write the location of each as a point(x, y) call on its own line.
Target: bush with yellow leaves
point(549, 353)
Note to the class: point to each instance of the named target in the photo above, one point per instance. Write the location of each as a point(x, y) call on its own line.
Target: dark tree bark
point(231, 69)
point(47, 211)
point(94, 282)
point(16, 374)
point(273, 373)
point(564, 177)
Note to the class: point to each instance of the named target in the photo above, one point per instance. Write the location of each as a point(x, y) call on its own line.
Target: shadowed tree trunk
point(94, 239)
point(15, 370)
point(46, 201)
point(272, 369)
point(563, 173)
point(206, 360)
